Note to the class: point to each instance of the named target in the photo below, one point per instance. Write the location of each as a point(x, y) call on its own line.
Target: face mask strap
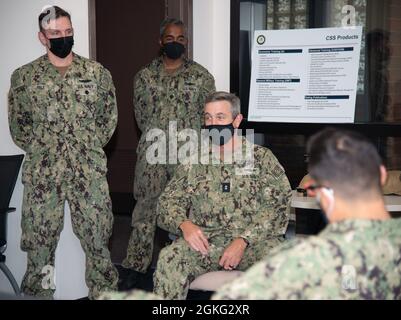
point(329, 193)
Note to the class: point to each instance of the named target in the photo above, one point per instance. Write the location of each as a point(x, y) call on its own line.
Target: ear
point(42, 38)
point(327, 202)
point(328, 193)
point(383, 175)
point(237, 120)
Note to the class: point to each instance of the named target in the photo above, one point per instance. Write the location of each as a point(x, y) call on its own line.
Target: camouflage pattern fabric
point(179, 265)
point(63, 123)
point(129, 295)
point(256, 208)
point(159, 98)
point(352, 259)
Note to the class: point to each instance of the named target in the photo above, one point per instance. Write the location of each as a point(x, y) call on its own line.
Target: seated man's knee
point(173, 253)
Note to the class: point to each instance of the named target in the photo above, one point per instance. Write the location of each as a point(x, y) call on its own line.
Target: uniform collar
point(238, 160)
point(160, 66)
point(46, 65)
point(345, 226)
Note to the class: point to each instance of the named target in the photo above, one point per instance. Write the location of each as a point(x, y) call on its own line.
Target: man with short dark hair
point(171, 89)
point(358, 255)
point(62, 111)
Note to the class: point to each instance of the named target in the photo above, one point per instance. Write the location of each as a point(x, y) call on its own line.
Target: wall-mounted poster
point(305, 75)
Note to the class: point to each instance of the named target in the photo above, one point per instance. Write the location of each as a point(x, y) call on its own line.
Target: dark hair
point(52, 13)
point(170, 21)
point(345, 161)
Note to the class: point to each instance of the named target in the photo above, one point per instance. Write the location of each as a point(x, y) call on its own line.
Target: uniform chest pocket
point(205, 194)
point(247, 185)
point(153, 97)
point(203, 184)
point(248, 194)
point(45, 102)
point(85, 92)
point(84, 99)
point(191, 94)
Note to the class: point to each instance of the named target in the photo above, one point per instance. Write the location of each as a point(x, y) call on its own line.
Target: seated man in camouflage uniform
point(358, 255)
point(237, 215)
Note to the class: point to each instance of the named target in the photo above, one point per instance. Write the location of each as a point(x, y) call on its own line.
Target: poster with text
point(305, 75)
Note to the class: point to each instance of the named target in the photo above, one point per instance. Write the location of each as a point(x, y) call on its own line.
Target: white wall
point(211, 32)
point(18, 30)
point(18, 33)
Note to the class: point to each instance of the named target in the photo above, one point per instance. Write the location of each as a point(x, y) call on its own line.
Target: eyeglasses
point(312, 187)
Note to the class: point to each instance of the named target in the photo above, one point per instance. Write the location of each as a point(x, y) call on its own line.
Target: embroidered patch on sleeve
point(277, 171)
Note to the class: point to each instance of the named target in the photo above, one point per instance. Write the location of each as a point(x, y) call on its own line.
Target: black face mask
point(173, 50)
point(61, 47)
point(222, 134)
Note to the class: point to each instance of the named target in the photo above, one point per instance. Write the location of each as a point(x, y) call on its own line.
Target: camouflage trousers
point(179, 265)
point(42, 223)
point(150, 181)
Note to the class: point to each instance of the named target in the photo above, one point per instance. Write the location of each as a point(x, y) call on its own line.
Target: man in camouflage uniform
point(62, 111)
point(170, 88)
point(357, 256)
point(237, 215)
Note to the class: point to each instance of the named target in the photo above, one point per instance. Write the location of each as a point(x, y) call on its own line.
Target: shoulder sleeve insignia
point(277, 171)
point(105, 80)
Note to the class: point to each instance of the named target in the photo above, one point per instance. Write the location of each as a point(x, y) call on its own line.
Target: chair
point(9, 169)
point(308, 221)
point(212, 281)
point(290, 232)
point(393, 183)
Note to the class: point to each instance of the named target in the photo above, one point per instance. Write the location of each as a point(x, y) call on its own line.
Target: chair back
point(9, 169)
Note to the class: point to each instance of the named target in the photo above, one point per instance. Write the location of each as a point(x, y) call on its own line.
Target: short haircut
point(52, 13)
point(226, 96)
point(345, 161)
point(171, 21)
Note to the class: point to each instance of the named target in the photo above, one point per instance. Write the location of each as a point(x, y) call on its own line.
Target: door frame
point(180, 9)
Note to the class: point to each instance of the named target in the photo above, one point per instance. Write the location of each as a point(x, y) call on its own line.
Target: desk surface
point(393, 203)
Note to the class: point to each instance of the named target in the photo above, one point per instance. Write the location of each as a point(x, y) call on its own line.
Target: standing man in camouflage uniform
point(62, 111)
point(170, 88)
point(238, 214)
point(358, 255)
